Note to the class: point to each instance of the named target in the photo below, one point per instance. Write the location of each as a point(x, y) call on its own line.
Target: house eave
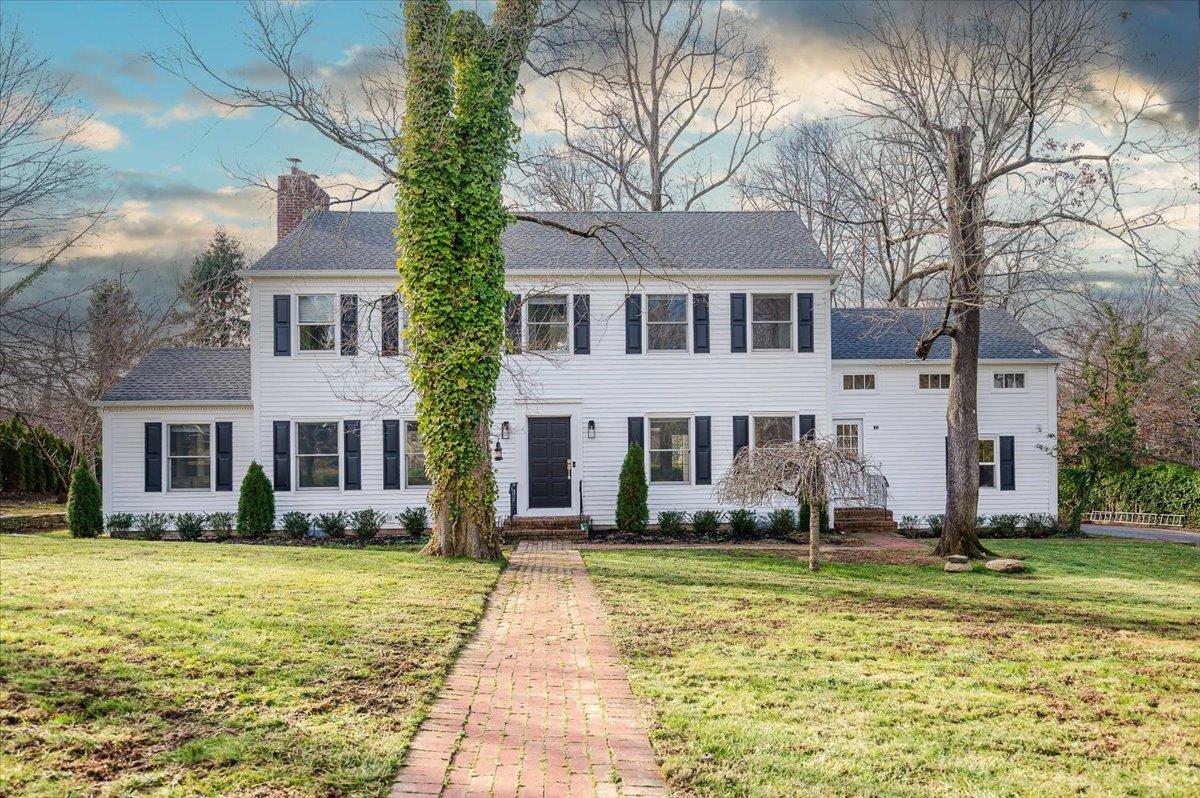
point(832, 274)
point(111, 404)
point(1013, 361)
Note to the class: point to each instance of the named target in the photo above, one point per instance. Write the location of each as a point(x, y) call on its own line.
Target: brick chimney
point(298, 195)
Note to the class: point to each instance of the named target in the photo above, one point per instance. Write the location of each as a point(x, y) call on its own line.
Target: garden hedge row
point(1158, 488)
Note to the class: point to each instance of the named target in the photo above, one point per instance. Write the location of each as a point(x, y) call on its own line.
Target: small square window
point(316, 323)
point(858, 382)
point(933, 382)
point(666, 322)
point(1009, 381)
point(546, 323)
point(773, 429)
point(771, 326)
point(670, 450)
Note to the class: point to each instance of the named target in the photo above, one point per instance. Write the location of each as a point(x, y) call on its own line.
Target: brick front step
point(544, 527)
point(544, 522)
point(862, 513)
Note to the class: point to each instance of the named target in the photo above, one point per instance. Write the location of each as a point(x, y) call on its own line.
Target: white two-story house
point(692, 333)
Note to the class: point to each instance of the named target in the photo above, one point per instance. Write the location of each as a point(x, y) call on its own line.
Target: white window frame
point(866, 377)
point(938, 374)
point(528, 339)
point(336, 324)
point(212, 455)
point(768, 414)
point(858, 422)
point(691, 428)
point(296, 455)
point(994, 463)
point(1024, 387)
point(790, 304)
point(404, 456)
point(687, 325)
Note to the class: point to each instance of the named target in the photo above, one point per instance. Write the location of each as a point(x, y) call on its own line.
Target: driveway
point(1142, 533)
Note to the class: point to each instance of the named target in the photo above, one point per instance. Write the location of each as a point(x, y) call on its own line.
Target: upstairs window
point(190, 455)
point(771, 321)
point(666, 323)
point(773, 429)
point(933, 382)
point(858, 382)
point(1009, 381)
point(547, 325)
point(414, 457)
point(670, 450)
point(316, 321)
point(317, 454)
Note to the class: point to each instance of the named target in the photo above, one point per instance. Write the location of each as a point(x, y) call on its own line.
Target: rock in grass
point(957, 567)
point(1005, 566)
point(957, 558)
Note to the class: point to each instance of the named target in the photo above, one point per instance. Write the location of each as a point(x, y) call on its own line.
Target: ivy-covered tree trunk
point(458, 136)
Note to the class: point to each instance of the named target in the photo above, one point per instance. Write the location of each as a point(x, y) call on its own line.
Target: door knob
point(570, 466)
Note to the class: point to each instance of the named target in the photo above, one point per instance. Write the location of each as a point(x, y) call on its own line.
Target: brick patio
point(538, 704)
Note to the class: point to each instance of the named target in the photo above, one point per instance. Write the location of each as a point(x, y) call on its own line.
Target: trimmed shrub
point(1003, 525)
point(296, 524)
point(414, 520)
point(119, 522)
point(190, 526)
point(1039, 525)
point(802, 521)
point(670, 522)
point(781, 521)
point(151, 526)
point(632, 510)
point(256, 503)
point(908, 522)
point(84, 515)
point(332, 524)
point(367, 523)
point(935, 522)
point(743, 523)
point(220, 524)
point(706, 523)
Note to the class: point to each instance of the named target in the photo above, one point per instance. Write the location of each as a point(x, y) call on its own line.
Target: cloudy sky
point(167, 150)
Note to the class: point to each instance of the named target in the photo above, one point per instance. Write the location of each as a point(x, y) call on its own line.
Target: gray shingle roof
point(186, 374)
point(660, 241)
point(892, 334)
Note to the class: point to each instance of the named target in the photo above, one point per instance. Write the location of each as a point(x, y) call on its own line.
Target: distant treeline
point(33, 459)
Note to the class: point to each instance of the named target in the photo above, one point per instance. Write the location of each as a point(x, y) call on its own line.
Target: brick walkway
point(538, 704)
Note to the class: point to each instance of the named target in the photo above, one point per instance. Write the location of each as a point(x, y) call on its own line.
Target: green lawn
point(1081, 677)
point(183, 669)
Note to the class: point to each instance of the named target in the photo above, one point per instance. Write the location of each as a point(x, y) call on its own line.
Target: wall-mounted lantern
point(591, 429)
point(504, 430)
point(497, 453)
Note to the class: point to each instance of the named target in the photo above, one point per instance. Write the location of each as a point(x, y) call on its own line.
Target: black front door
point(549, 452)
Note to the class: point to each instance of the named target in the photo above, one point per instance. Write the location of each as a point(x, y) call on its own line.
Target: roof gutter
point(996, 361)
point(116, 403)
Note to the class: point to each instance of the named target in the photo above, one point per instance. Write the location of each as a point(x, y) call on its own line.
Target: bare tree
point(658, 103)
point(45, 171)
point(980, 96)
point(811, 471)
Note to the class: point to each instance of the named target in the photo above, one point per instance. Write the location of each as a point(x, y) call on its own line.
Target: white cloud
point(96, 134)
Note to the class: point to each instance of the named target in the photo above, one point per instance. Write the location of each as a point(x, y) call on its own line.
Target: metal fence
point(1134, 519)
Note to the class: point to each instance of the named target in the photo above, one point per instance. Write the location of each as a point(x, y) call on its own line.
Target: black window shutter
point(224, 455)
point(282, 437)
point(390, 314)
point(637, 431)
point(583, 325)
point(741, 433)
point(703, 450)
point(804, 315)
point(1008, 466)
point(352, 455)
point(349, 324)
point(700, 323)
point(391, 454)
point(154, 464)
point(633, 324)
point(512, 321)
point(808, 427)
point(737, 322)
point(283, 324)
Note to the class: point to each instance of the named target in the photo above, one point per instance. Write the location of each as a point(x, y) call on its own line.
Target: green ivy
point(458, 137)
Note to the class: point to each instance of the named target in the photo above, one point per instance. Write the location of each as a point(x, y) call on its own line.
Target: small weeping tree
point(811, 470)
